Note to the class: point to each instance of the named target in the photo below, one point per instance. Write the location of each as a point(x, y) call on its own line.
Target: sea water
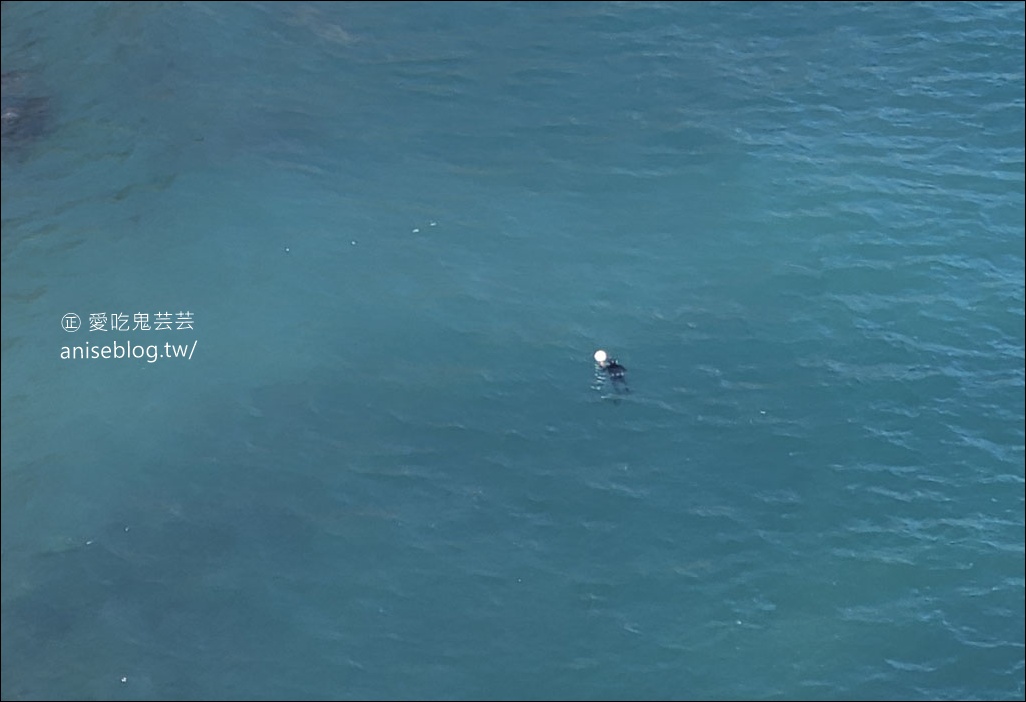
point(368, 251)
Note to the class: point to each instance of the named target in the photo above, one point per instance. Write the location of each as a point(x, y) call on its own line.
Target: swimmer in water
point(616, 372)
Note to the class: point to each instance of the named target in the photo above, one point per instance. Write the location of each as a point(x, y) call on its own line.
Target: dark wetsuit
point(616, 373)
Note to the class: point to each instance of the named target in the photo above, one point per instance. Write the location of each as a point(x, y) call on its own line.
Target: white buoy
point(600, 357)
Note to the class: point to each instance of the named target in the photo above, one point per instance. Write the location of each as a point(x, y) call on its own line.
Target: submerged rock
point(25, 115)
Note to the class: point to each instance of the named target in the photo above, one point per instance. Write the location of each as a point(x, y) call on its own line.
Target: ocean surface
point(331, 427)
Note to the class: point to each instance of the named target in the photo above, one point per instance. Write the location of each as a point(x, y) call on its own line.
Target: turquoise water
point(387, 469)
